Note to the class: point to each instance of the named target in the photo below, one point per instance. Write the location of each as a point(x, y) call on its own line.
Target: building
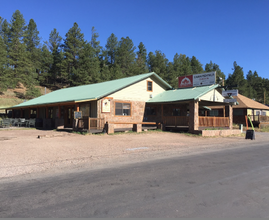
point(125, 102)
point(258, 113)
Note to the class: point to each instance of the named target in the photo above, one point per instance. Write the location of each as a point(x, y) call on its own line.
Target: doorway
point(69, 115)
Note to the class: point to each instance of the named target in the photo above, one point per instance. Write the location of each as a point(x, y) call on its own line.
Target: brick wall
point(137, 113)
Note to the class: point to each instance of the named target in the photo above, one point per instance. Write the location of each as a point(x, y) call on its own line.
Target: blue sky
point(221, 31)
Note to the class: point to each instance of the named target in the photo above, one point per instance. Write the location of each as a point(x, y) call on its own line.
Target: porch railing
point(176, 120)
point(213, 121)
point(91, 123)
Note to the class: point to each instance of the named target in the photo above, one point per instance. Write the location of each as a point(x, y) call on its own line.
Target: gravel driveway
point(22, 152)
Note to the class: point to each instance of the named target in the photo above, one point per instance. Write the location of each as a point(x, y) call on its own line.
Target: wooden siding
point(211, 95)
point(138, 91)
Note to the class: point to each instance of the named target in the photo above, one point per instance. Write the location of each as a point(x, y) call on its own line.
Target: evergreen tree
point(157, 63)
point(73, 43)
point(54, 44)
point(89, 67)
point(196, 66)
point(210, 67)
point(111, 49)
point(4, 71)
point(95, 43)
point(255, 86)
point(141, 60)
point(237, 78)
point(19, 60)
point(32, 42)
point(125, 56)
point(46, 61)
point(4, 32)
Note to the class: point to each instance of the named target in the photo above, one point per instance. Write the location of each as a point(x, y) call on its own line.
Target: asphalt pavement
point(226, 183)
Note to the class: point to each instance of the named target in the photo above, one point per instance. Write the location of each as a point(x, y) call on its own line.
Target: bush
point(32, 92)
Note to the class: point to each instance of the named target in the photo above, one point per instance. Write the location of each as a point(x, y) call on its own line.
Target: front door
point(69, 115)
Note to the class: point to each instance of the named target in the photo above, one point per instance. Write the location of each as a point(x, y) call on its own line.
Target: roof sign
point(202, 79)
point(230, 92)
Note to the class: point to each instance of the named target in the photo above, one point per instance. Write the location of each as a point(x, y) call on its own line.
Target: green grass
point(7, 102)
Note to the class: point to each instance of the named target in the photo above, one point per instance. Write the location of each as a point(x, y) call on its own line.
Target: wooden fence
point(95, 123)
point(213, 121)
point(176, 120)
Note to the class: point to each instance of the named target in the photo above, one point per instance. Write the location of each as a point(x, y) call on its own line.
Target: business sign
point(202, 79)
point(230, 100)
point(106, 105)
point(230, 92)
point(77, 115)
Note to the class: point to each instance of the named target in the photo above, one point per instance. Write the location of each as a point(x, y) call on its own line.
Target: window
point(149, 86)
point(123, 109)
point(176, 112)
point(214, 113)
point(150, 111)
point(237, 112)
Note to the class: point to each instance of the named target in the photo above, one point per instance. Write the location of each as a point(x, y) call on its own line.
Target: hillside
point(16, 96)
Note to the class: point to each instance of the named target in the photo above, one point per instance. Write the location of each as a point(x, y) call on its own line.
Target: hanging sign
point(202, 79)
point(230, 92)
point(229, 100)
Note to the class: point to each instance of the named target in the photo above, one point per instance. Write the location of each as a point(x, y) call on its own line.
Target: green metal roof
point(91, 91)
point(181, 94)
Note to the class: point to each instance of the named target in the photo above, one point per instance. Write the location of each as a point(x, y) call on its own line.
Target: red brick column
point(230, 117)
point(194, 115)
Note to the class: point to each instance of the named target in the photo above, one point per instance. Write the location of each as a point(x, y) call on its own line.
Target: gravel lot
point(22, 152)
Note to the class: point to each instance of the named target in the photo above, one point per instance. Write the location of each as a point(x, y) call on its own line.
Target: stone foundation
point(213, 133)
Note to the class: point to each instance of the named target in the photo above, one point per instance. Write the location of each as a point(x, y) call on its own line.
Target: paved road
point(228, 183)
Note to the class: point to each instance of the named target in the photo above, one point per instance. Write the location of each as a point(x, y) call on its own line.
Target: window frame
point(123, 102)
point(149, 81)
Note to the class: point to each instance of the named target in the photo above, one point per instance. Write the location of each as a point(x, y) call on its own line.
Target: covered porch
point(188, 115)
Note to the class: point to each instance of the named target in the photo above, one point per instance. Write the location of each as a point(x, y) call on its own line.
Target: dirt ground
point(22, 152)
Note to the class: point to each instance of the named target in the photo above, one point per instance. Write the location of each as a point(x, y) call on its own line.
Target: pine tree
point(73, 43)
point(237, 78)
point(141, 60)
point(111, 49)
point(4, 70)
point(196, 66)
point(54, 44)
point(158, 63)
point(125, 56)
point(46, 61)
point(210, 67)
point(32, 42)
point(95, 43)
point(19, 60)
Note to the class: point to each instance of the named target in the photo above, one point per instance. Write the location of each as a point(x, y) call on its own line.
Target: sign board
point(230, 93)
point(230, 100)
point(202, 79)
point(106, 105)
point(77, 115)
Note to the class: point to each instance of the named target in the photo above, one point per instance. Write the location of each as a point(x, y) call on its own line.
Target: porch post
point(37, 112)
point(13, 113)
point(194, 115)
point(230, 117)
point(47, 112)
point(59, 111)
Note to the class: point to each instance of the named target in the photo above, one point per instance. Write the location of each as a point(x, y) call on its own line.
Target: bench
point(137, 126)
